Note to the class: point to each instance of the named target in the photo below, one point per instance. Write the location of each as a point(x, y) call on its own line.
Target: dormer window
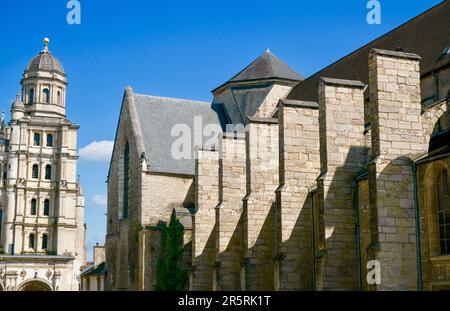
point(46, 95)
point(31, 96)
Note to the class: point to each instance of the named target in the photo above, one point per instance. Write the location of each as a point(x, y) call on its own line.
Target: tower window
point(33, 207)
point(35, 171)
point(31, 96)
point(48, 172)
point(1, 221)
point(47, 207)
point(44, 242)
point(58, 94)
point(37, 139)
point(49, 140)
point(126, 180)
point(46, 94)
point(443, 208)
point(31, 241)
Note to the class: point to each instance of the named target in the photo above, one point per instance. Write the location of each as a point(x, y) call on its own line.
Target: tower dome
point(44, 85)
point(45, 61)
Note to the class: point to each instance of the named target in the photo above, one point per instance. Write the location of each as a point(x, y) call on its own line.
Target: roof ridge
point(174, 99)
point(377, 38)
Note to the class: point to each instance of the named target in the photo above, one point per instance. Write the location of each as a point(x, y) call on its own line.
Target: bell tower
point(44, 85)
point(43, 204)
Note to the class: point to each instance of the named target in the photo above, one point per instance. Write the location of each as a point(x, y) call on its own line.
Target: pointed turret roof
point(267, 66)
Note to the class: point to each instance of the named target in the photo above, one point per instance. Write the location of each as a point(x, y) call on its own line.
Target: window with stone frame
point(443, 208)
point(37, 139)
point(31, 241)
point(49, 140)
point(31, 96)
point(35, 171)
point(44, 241)
point(33, 207)
point(48, 172)
point(46, 95)
point(47, 207)
point(1, 221)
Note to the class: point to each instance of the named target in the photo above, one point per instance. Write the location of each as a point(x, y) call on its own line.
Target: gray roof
point(246, 101)
point(159, 115)
point(45, 61)
point(426, 35)
point(266, 66)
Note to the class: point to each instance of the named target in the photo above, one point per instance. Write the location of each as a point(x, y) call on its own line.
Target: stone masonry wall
point(206, 201)
point(232, 189)
point(397, 133)
point(343, 154)
point(268, 107)
point(299, 169)
point(262, 181)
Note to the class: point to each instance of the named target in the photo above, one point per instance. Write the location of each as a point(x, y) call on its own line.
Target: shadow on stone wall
point(259, 259)
point(338, 268)
point(229, 262)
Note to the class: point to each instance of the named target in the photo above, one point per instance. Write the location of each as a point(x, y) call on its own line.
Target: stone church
point(289, 183)
point(42, 230)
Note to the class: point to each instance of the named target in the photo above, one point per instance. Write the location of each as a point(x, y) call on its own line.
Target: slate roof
point(267, 66)
point(45, 61)
point(426, 35)
point(100, 270)
point(159, 115)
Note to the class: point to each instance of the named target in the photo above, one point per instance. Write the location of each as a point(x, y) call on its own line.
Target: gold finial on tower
point(46, 42)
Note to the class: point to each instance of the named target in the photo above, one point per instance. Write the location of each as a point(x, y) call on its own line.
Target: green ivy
point(170, 275)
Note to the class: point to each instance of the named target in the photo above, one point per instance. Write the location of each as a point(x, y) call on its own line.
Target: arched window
point(443, 208)
point(31, 96)
point(48, 172)
point(58, 95)
point(44, 241)
point(47, 207)
point(33, 207)
point(46, 96)
point(37, 139)
point(35, 171)
point(1, 221)
point(5, 172)
point(126, 180)
point(31, 241)
point(49, 140)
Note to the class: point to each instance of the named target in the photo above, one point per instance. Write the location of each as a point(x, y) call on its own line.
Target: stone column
point(299, 168)
point(206, 201)
point(259, 203)
point(343, 154)
point(232, 189)
point(397, 133)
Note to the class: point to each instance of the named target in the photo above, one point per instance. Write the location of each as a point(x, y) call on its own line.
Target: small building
point(92, 277)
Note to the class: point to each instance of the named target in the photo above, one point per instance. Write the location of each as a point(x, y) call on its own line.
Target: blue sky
point(172, 48)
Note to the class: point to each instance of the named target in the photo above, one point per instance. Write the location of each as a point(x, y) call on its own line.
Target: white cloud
point(100, 200)
point(97, 151)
